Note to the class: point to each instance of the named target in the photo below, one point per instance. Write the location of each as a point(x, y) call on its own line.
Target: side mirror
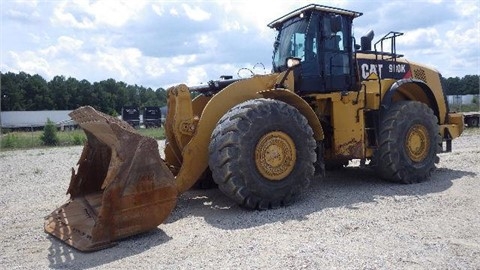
point(292, 62)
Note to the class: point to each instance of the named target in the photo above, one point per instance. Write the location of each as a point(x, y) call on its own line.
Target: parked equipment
point(264, 138)
point(152, 117)
point(472, 119)
point(131, 115)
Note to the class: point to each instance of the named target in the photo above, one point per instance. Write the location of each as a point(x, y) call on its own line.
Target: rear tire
point(409, 143)
point(262, 154)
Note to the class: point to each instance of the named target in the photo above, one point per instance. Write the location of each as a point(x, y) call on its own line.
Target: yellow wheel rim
point(275, 155)
point(418, 143)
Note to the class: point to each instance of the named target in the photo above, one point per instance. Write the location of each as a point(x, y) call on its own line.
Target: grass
point(156, 133)
point(28, 140)
point(16, 140)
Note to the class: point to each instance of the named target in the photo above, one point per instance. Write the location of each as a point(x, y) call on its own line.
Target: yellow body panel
point(455, 126)
point(432, 79)
point(374, 90)
point(345, 112)
point(348, 126)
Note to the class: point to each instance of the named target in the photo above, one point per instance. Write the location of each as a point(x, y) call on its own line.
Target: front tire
point(262, 154)
point(409, 143)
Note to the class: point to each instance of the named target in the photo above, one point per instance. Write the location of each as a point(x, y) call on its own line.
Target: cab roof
point(278, 22)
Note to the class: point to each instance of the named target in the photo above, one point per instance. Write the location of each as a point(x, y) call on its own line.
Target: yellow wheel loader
point(263, 139)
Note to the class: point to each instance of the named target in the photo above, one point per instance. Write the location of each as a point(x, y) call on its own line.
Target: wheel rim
point(418, 143)
point(474, 122)
point(275, 155)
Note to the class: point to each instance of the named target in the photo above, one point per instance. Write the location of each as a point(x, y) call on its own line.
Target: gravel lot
point(351, 219)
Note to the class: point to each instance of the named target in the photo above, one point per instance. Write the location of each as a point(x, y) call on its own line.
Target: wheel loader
point(263, 139)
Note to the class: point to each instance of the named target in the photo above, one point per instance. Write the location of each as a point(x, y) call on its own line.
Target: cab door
point(336, 53)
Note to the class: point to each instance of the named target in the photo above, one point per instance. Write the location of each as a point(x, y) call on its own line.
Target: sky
point(161, 43)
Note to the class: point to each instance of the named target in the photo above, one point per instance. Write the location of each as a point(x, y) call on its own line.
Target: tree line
point(25, 92)
point(467, 85)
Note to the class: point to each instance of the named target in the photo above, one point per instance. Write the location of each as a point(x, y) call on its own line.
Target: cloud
point(23, 15)
point(65, 45)
point(420, 38)
point(75, 18)
point(195, 13)
point(86, 15)
point(121, 61)
point(27, 61)
point(196, 75)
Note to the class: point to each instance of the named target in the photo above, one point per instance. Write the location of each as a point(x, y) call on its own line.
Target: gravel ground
point(349, 220)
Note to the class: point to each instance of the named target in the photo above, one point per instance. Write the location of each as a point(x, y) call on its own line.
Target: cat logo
point(368, 69)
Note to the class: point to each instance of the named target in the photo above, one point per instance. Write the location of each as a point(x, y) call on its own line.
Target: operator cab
point(321, 37)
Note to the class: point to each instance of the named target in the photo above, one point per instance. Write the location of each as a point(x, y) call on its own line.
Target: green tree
point(133, 93)
point(470, 84)
point(23, 91)
point(85, 93)
point(37, 94)
point(454, 86)
point(13, 94)
point(49, 135)
point(60, 93)
point(122, 96)
point(161, 97)
point(148, 97)
point(73, 88)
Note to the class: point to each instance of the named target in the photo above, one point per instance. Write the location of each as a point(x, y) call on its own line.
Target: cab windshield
point(290, 42)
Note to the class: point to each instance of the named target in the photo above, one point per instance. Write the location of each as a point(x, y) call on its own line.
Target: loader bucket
point(121, 187)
